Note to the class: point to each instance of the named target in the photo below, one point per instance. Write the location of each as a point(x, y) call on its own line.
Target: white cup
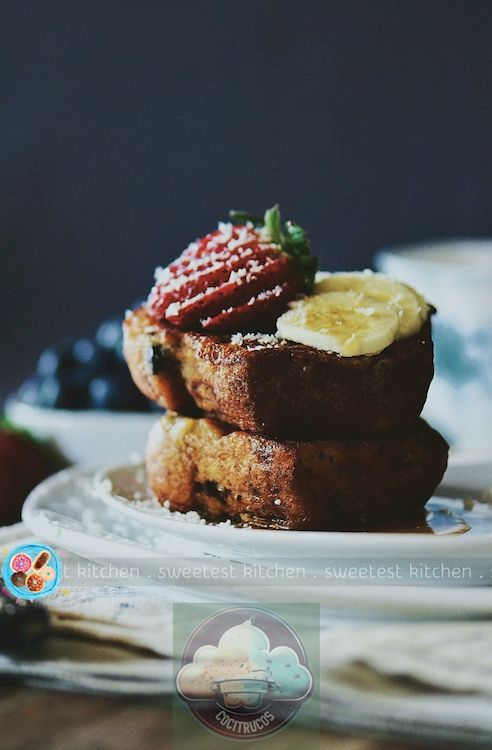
point(456, 277)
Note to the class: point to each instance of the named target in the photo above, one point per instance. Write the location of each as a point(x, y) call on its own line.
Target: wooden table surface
point(39, 719)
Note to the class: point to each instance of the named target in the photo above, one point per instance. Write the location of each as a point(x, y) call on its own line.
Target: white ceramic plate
point(65, 512)
point(116, 486)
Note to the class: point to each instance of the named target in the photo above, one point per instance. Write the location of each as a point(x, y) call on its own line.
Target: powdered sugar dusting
point(257, 340)
point(129, 485)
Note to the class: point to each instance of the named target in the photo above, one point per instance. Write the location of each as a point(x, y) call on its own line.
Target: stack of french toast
point(293, 397)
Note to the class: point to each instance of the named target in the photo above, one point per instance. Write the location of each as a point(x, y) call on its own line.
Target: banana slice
point(349, 323)
point(411, 307)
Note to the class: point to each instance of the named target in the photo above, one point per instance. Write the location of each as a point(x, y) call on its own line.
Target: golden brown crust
point(202, 465)
point(290, 390)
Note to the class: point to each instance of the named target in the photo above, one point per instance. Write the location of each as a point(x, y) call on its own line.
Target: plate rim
point(408, 540)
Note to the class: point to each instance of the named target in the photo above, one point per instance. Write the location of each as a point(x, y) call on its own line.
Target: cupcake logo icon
point(31, 571)
point(248, 682)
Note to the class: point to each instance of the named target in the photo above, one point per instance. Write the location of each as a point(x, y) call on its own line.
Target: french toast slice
point(278, 388)
point(222, 473)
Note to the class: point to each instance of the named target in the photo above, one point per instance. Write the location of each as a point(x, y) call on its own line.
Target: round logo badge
point(31, 571)
point(244, 673)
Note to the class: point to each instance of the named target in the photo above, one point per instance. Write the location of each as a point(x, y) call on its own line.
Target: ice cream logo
point(243, 687)
point(31, 571)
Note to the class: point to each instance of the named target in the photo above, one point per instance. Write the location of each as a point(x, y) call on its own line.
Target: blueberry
point(74, 390)
point(84, 352)
point(155, 358)
point(29, 391)
point(56, 358)
point(93, 359)
point(50, 392)
point(115, 391)
point(63, 391)
point(109, 335)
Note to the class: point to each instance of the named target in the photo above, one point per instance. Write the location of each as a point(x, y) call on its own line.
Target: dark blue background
point(129, 128)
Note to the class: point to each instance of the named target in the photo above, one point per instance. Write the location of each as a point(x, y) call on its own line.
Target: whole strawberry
point(239, 277)
point(23, 464)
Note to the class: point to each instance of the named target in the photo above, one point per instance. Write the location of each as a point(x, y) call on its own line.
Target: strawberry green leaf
point(273, 224)
point(292, 238)
point(243, 217)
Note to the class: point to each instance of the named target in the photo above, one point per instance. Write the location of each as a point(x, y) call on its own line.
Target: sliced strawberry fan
point(236, 278)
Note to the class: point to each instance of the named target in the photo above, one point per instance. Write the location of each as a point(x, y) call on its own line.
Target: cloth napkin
point(405, 680)
point(410, 680)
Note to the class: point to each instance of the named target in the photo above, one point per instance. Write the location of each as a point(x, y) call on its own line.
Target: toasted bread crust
point(200, 464)
point(288, 390)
